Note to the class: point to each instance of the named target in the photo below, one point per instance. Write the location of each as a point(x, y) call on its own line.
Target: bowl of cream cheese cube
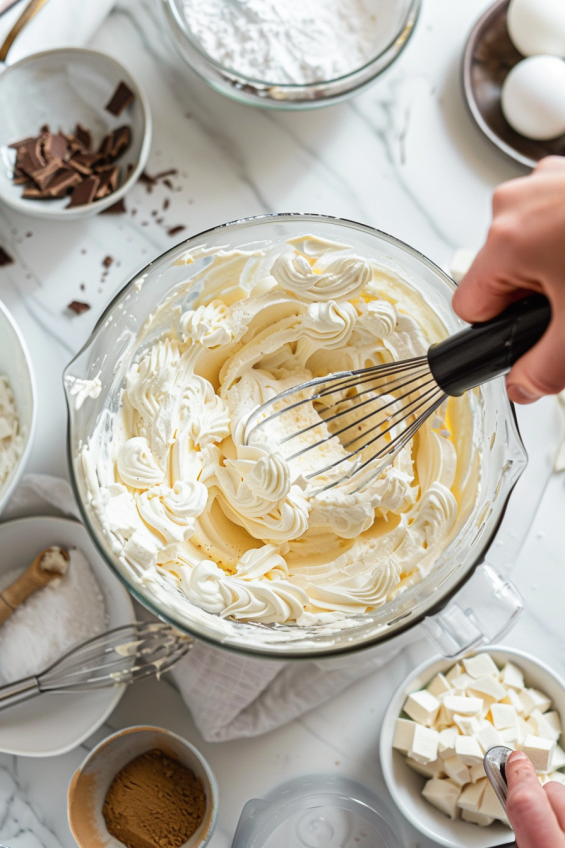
point(443, 719)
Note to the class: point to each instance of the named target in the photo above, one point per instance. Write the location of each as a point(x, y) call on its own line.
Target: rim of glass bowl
point(453, 581)
point(256, 91)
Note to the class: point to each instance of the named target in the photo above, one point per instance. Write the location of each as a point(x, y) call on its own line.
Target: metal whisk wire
point(118, 656)
point(393, 393)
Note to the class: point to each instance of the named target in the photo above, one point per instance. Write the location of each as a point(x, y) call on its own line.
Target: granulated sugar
point(67, 611)
point(293, 41)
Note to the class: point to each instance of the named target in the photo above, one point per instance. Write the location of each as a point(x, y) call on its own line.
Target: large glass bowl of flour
point(114, 375)
point(300, 54)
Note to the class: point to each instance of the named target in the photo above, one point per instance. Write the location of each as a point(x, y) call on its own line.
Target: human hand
point(536, 813)
point(524, 251)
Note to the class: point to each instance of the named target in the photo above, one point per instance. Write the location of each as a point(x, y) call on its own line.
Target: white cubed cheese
point(472, 795)
point(480, 665)
point(554, 720)
point(454, 672)
point(512, 677)
point(477, 772)
point(456, 769)
point(476, 818)
point(446, 746)
point(533, 699)
point(468, 748)
point(460, 683)
point(488, 737)
point(443, 720)
point(523, 729)
point(513, 698)
point(438, 686)
point(558, 760)
point(462, 705)
point(540, 751)
point(510, 735)
point(422, 706)
point(424, 744)
point(468, 725)
point(443, 795)
point(434, 769)
point(542, 727)
point(557, 776)
point(490, 805)
point(503, 716)
point(487, 685)
point(403, 735)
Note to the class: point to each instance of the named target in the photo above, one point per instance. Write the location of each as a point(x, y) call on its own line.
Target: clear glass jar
point(123, 331)
point(399, 21)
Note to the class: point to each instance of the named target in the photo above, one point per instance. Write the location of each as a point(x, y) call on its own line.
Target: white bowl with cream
point(15, 364)
point(406, 786)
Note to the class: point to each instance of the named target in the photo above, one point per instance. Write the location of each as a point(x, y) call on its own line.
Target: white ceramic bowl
point(405, 785)
point(15, 363)
point(55, 723)
point(62, 88)
point(90, 783)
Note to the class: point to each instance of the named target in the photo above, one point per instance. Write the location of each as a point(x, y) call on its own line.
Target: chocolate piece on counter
point(162, 174)
point(166, 203)
point(63, 180)
point(84, 192)
point(120, 100)
point(78, 306)
point(5, 258)
point(84, 136)
point(172, 231)
point(45, 128)
point(168, 183)
point(118, 208)
point(107, 261)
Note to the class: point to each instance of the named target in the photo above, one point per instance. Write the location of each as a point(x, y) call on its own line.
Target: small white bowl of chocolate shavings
point(75, 133)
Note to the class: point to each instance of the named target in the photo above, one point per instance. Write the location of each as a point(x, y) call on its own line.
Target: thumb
point(528, 807)
point(485, 291)
point(541, 371)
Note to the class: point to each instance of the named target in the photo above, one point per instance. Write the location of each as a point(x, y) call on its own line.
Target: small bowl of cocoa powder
point(143, 787)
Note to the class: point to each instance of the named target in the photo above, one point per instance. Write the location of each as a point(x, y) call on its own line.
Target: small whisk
point(119, 656)
point(346, 428)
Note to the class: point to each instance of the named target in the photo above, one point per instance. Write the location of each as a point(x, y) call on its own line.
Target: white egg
point(533, 97)
point(537, 26)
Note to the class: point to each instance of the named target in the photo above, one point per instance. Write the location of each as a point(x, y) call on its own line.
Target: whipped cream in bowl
point(226, 539)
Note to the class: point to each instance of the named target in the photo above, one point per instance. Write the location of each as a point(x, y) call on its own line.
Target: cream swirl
point(336, 278)
point(136, 464)
point(239, 527)
point(208, 325)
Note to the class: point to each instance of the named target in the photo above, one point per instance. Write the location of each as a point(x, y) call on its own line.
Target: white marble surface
point(404, 157)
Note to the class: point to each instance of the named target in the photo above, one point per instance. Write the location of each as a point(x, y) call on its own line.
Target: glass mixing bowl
point(124, 331)
point(398, 22)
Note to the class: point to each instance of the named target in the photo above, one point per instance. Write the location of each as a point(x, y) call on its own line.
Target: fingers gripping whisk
point(343, 430)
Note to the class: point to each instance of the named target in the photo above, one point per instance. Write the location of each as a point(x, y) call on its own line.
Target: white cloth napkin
point(60, 23)
point(229, 696)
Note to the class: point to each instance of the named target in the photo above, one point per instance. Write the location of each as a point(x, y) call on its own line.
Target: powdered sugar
point(67, 611)
point(288, 41)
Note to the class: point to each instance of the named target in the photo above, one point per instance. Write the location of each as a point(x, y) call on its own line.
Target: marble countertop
point(404, 157)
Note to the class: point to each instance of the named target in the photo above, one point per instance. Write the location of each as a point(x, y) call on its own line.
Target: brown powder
point(154, 802)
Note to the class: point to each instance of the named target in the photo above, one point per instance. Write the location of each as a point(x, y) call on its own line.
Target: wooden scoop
point(47, 566)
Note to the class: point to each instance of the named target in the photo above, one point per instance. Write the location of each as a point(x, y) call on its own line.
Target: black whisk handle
point(484, 351)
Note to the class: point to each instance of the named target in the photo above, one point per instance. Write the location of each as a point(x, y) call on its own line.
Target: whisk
point(122, 655)
point(346, 428)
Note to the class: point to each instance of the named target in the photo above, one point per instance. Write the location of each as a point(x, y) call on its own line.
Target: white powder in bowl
point(67, 611)
point(289, 41)
point(11, 437)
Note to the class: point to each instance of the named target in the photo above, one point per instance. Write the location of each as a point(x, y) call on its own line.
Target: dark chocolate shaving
point(5, 258)
point(78, 306)
point(120, 100)
point(172, 231)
